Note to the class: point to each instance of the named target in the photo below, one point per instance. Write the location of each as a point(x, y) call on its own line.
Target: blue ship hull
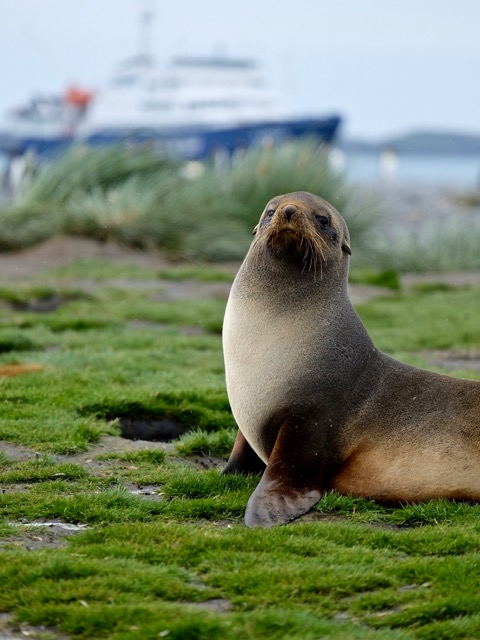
point(187, 143)
point(12, 145)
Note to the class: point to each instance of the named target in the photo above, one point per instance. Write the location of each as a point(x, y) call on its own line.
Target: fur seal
point(317, 405)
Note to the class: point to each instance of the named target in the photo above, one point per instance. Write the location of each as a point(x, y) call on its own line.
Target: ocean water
point(461, 172)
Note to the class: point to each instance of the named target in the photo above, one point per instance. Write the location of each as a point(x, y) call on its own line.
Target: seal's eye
point(322, 221)
point(267, 217)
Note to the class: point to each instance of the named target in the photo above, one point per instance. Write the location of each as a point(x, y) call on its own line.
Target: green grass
point(443, 319)
point(304, 581)
point(389, 279)
point(200, 273)
point(450, 247)
point(468, 199)
point(218, 443)
point(99, 270)
point(178, 559)
point(40, 470)
point(135, 198)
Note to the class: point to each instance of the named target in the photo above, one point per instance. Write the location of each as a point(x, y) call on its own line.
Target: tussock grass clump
point(25, 225)
point(469, 199)
point(23, 295)
point(84, 170)
point(136, 198)
point(100, 193)
point(208, 412)
point(10, 342)
point(184, 482)
point(261, 174)
point(222, 207)
point(41, 469)
point(452, 248)
point(199, 442)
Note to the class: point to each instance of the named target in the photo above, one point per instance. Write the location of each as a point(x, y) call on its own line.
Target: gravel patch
point(408, 207)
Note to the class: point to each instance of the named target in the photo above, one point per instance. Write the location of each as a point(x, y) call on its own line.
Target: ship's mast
point(146, 27)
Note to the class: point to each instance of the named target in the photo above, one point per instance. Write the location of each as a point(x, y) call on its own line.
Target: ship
point(194, 108)
point(45, 125)
point(190, 107)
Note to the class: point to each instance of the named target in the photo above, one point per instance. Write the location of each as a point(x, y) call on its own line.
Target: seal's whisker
point(307, 256)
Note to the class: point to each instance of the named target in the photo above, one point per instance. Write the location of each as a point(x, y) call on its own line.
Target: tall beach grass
point(202, 212)
point(452, 248)
point(137, 198)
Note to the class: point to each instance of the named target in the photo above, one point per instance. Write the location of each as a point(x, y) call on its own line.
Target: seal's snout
point(289, 210)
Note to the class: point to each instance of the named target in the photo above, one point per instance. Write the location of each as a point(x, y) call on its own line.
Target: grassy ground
point(161, 550)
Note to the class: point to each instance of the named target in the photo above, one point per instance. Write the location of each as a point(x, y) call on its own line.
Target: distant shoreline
point(418, 143)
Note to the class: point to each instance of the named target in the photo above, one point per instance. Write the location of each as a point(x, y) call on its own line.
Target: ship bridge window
point(218, 104)
point(157, 106)
point(169, 83)
point(126, 80)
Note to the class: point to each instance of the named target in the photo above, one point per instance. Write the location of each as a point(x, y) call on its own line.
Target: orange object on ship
point(78, 97)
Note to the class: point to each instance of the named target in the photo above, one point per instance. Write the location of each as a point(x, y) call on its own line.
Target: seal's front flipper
point(275, 503)
point(243, 458)
point(292, 482)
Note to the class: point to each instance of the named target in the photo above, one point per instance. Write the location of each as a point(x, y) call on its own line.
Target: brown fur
point(314, 400)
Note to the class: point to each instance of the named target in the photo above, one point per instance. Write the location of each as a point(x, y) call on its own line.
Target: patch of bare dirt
point(317, 516)
point(42, 534)
point(205, 462)
point(54, 534)
point(218, 605)
point(119, 445)
point(186, 331)
point(9, 630)
point(188, 290)
point(454, 359)
point(461, 279)
point(96, 458)
point(17, 451)
point(63, 250)
point(361, 293)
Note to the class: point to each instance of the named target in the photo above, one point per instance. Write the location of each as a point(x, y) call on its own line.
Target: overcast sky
point(388, 67)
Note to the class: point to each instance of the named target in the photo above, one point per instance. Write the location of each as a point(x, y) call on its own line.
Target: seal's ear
point(254, 232)
point(346, 248)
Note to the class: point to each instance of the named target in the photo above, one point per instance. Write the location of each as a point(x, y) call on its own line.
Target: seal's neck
point(279, 281)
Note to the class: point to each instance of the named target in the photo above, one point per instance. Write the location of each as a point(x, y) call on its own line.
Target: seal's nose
point(289, 210)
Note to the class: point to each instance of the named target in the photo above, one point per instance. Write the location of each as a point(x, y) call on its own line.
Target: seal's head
point(303, 229)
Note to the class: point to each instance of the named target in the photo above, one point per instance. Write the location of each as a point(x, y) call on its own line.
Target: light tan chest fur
point(266, 352)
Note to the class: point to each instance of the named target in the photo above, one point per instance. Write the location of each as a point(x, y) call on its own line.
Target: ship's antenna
point(146, 21)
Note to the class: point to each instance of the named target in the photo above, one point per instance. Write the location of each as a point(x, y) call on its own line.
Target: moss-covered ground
point(161, 550)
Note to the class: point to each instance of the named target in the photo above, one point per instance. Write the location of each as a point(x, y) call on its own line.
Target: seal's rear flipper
point(243, 458)
point(273, 503)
